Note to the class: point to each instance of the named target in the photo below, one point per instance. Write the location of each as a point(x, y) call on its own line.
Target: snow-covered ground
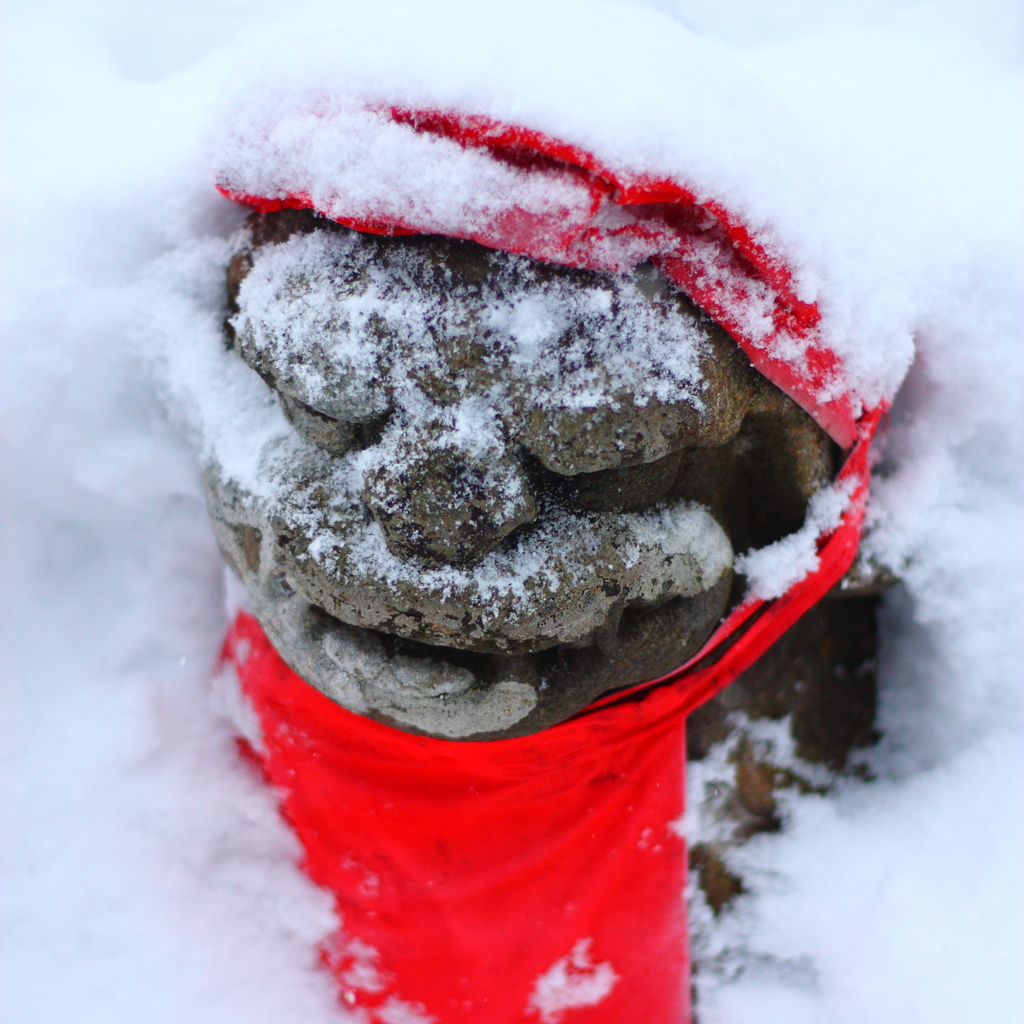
point(147, 877)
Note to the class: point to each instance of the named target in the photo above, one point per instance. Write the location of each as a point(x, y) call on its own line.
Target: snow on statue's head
point(521, 433)
point(510, 485)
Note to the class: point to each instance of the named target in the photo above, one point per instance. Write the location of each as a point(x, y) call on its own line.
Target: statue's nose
point(446, 499)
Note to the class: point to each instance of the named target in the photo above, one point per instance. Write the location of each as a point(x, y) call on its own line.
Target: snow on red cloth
point(547, 199)
point(466, 874)
point(509, 881)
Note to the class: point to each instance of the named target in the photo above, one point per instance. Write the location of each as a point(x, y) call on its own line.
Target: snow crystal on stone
point(351, 324)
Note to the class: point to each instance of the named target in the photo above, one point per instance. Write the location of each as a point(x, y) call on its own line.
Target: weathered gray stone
point(759, 483)
point(335, 436)
point(569, 439)
point(465, 543)
point(349, 320)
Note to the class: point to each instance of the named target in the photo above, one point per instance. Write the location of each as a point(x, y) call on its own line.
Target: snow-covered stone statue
point(510, 486)
point(524, 454)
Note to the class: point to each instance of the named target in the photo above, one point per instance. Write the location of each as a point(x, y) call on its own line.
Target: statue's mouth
point(507, 488)
point(545, 618)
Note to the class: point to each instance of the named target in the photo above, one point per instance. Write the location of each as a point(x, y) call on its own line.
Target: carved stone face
point(510, 486)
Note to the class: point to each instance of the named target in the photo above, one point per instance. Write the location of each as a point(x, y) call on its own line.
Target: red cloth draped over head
point(538, 878)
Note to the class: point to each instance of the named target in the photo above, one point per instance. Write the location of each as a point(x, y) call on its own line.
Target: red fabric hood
point(551, 200)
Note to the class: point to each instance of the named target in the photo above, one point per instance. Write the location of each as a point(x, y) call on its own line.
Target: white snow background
point(146, 875)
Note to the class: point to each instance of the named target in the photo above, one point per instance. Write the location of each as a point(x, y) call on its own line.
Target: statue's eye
point(306, 323)
point(657, 378)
